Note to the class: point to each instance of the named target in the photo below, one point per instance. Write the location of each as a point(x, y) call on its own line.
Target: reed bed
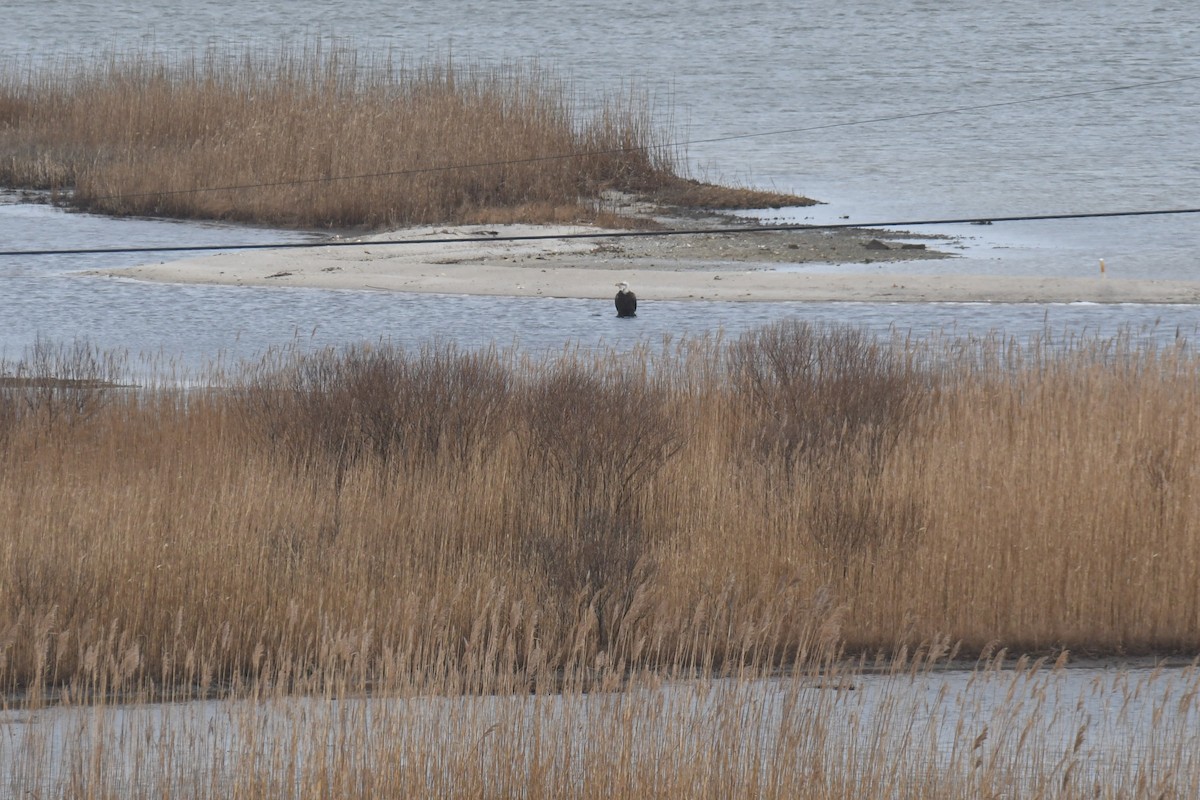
point(375, 573)
point(715, 507)
point(142, 134)
point(320, 136)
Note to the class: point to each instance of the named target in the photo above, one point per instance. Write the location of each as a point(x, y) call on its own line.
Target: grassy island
point(322, 137)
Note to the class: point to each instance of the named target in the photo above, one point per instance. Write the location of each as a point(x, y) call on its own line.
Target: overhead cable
point(489, 237)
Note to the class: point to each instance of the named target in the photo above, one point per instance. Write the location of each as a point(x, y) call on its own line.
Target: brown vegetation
point(474, 526)
point(321, 137)
point(715, 508)
point(689, 193)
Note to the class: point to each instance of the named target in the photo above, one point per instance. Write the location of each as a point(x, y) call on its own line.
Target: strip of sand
point(791, 265)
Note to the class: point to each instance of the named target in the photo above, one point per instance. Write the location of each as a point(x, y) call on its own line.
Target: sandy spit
point(792, 265)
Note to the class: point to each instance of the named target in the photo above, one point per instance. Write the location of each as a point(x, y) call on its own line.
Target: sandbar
point(794, 265)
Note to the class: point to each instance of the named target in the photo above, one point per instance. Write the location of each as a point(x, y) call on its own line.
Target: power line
point(599, 234)
point(955, 110)
point(669, 145)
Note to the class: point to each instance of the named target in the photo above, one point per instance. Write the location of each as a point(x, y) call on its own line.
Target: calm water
point(1035, 729)
point(721, 69)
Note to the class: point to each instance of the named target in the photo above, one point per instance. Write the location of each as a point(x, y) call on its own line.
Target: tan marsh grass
point(372, 513)
point(472, 574)
point(319, 136)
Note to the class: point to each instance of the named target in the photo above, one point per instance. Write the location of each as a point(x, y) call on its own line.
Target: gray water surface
point(806, 73)
point(1034, 731)
point(45, 298)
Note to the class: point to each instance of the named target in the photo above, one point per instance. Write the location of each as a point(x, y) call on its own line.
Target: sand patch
point(714, 263)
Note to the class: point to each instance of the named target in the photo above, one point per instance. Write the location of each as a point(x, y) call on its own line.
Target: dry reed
point(481, 527)
point(726, 507)
point(321, 136)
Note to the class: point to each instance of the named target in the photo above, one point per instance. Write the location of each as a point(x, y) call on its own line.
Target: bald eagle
point(626, 301)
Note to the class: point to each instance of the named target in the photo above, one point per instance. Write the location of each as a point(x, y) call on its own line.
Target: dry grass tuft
point(689, 193)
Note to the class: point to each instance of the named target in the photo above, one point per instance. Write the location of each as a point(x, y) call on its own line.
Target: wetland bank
point(667, 573)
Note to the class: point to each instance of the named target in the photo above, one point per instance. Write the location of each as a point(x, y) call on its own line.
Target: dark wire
point(601, 234)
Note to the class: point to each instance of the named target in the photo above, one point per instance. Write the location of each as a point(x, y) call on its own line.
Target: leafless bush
point(595, 437)
point(814, 391)
point(335, 407)
point(830, 404)
point(58, 384)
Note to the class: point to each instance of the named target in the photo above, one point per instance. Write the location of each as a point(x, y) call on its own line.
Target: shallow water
point(723, 69)
point(44, 298)
point(1027, 729)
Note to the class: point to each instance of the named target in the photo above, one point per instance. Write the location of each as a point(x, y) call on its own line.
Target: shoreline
point(800, 265)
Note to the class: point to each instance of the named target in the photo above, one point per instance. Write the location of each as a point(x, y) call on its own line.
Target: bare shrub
point(58, 383)
point(830, 403)
point(595, 437)
point(813, 391)
point(336, 407)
